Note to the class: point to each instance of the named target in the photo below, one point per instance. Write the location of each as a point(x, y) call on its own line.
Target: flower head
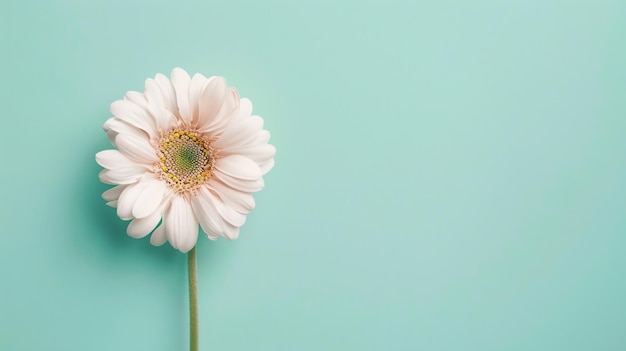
point(189, 154)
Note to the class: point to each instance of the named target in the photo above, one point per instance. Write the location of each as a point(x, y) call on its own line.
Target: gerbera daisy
point(189, 154)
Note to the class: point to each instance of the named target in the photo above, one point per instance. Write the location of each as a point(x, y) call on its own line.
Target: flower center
point(186, 160)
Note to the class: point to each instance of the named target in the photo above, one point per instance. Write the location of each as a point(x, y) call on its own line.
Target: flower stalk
point(193, 300)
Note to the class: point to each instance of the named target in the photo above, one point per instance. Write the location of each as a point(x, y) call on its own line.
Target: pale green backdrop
point(450, 176)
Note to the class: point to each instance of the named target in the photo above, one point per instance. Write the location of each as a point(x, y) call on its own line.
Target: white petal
point(224, 116)
point(136, 149)
point(158, 238)
point(127, 200)
point(140, 227)
point(257, 153)
point(114, 126)
point(266, 166)
point(181, 81)
point(231, 232)
point(156, 100)
point(169, 94)
point(153, 93)
point(211, 101)
point(111, 135)
point(140, 100)
point(240, 133)
point(244, 185)
point(162, 118)
point(210, 220)
point(133, 114)
point(113, 193)
point(107, 124)
point(244, 110)
point(239, 167)
point(124, 175)
point(262, 138)
point(181, 226)
point(136, 98)
point(197, 83)
point(240, 201)
point(112, 203)
point(112, 159)
point(228, 214)
point(150, 198)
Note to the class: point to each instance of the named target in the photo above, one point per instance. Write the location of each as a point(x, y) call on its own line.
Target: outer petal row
point(181, 226)
point(145, 202)
point(215, 217)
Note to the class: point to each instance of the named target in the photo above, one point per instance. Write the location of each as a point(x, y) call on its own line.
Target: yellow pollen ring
point(186, 160)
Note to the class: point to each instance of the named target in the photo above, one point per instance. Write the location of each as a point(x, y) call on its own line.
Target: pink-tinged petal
point(211, 101)
point(112, 203)
point(111, 135)
point(134, 115)
point(239, 167)
point(124, 175)
point(158, 107)
point(257, 153)
point(228, 214)
point(158, 238)
point(140, 227)
point(150, 198)
point(136, 149)
point(244, 110)
point(210, 220)
point(244, 185)
point(112, 159)
point(196, 85)
point(231, 232)
point(239, 201)
point(181, 226)
point(167, 119)
point(107, 124)
point(181, 82)
point(223, 118)
point(136, 98)
point(114, 126)
point(140, 100)
point(162, 118)
point(168, 92)
point(153, 93)
point(262, 138)
point(266, 166)
point(240, 133)
point(127, 200)
point(113, 193)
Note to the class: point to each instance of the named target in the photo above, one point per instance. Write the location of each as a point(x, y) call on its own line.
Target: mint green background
point(449, 176)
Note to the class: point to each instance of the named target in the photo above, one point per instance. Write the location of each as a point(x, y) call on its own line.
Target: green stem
point(193, 300)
